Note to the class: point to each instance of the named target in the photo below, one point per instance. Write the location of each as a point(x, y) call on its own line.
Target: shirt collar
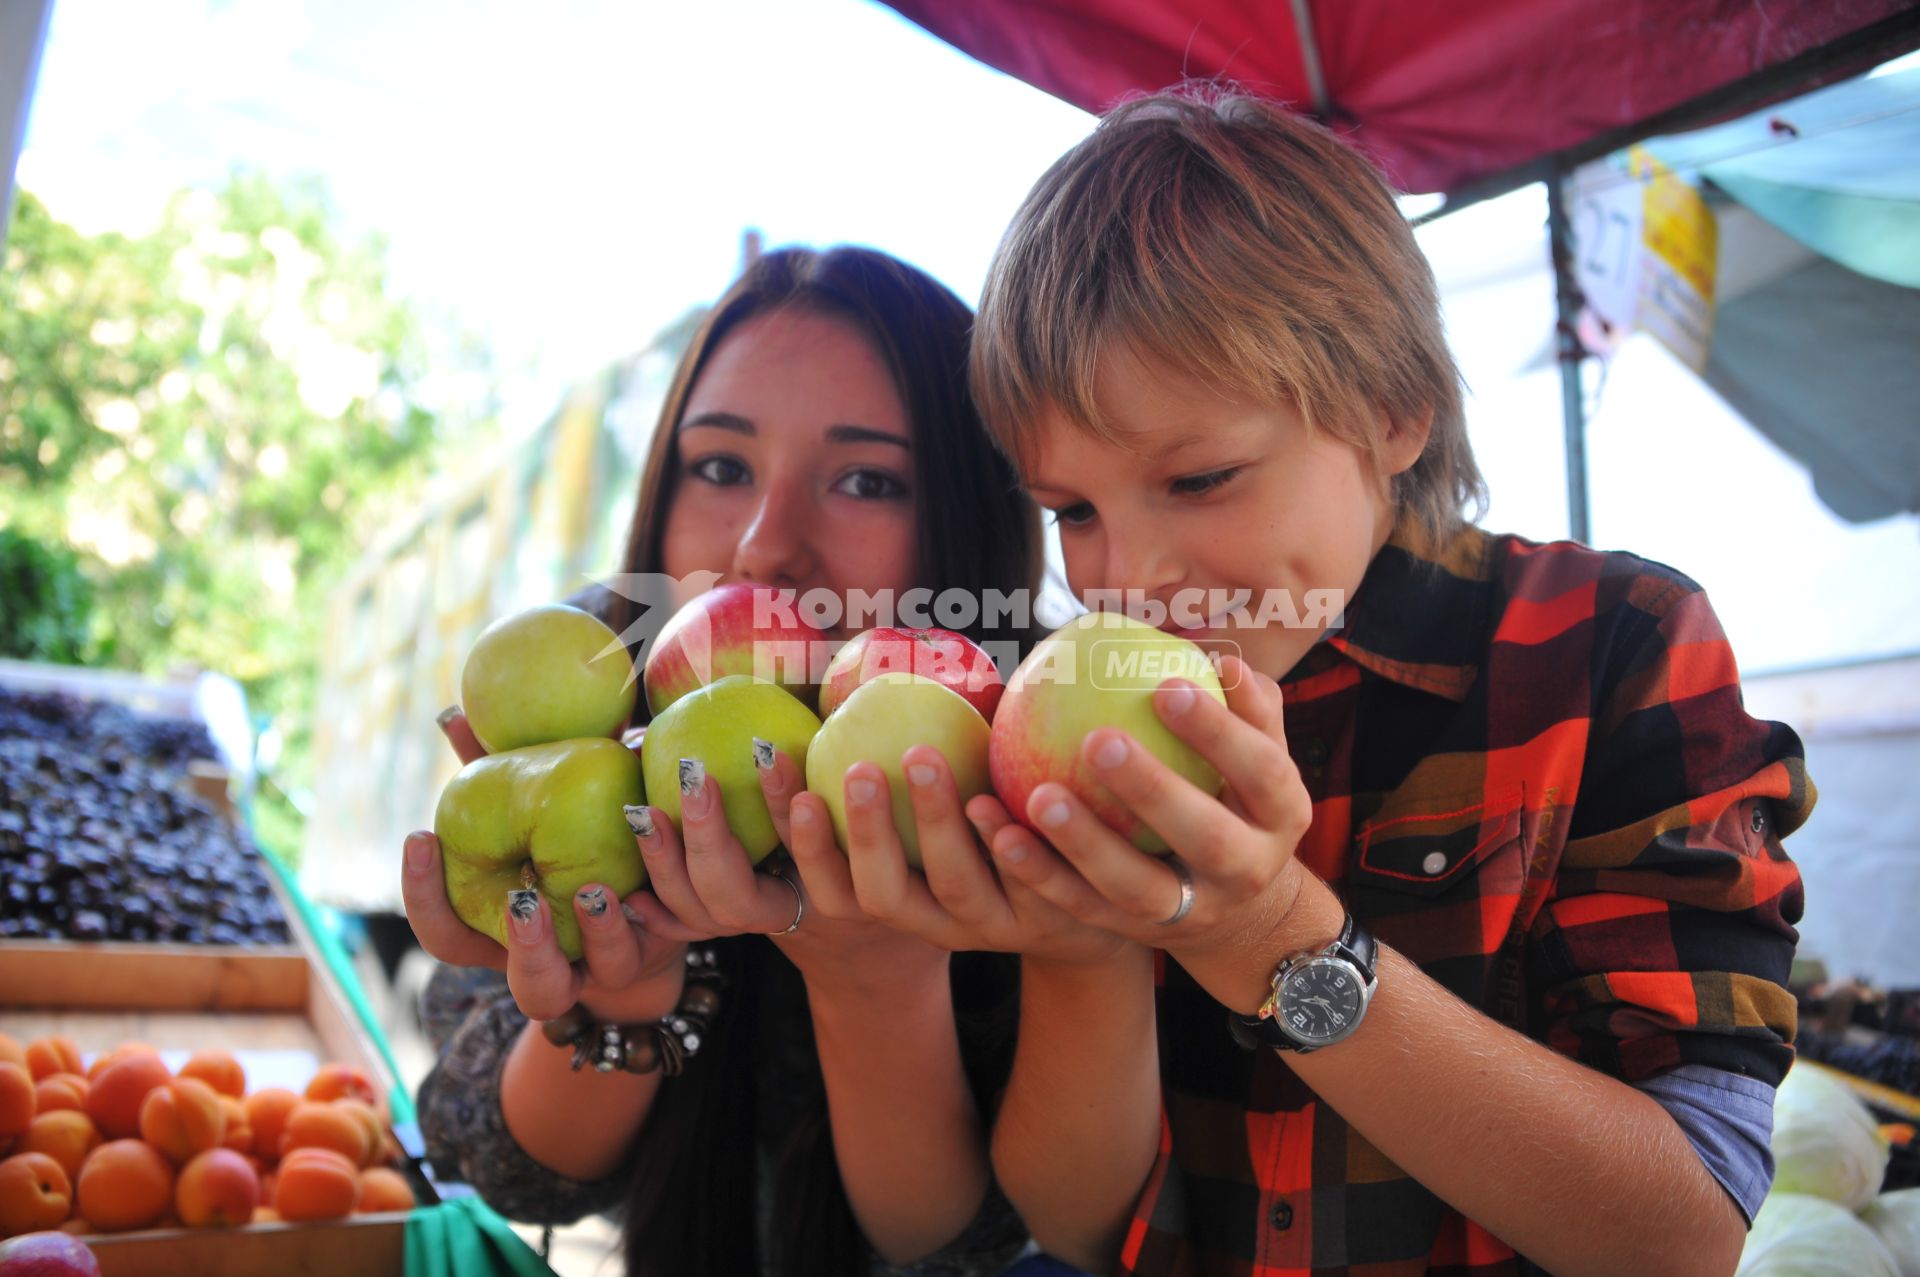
point(1424, 621)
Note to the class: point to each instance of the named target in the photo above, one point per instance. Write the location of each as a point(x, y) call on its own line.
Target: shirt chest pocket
point(1428, 845)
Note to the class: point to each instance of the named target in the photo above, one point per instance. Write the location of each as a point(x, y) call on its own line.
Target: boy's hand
point(958, 902)
point(1238, 848)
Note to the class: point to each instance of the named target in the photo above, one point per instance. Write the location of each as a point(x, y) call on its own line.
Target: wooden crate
point(277, 1008)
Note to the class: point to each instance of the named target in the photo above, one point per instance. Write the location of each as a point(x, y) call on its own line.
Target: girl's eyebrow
point(719, 421)
point(739, 425)
point(865, 434)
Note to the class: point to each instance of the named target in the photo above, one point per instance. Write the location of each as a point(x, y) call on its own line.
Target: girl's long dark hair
point(695, 1201)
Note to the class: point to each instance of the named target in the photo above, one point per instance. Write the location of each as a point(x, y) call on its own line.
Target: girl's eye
point(871, 485)
point(1071, 516)
point(721, 471)
point(1194, 485)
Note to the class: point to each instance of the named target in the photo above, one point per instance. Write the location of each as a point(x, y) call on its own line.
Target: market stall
point(184, 1051)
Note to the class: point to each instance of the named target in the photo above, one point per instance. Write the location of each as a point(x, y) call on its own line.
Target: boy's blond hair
point(1231, 239)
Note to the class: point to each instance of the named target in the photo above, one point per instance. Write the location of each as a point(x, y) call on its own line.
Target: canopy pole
point(1566, 327)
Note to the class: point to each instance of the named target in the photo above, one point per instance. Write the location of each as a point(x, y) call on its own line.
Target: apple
point(715, 727)
point(732, 630)
point(882, 720)
point(49, 1254)
point(941, 655)
point(546, 674)
point(1098, 670)
point(546, 817)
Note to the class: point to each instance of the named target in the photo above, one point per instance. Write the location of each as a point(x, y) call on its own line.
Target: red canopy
point(1438, 92)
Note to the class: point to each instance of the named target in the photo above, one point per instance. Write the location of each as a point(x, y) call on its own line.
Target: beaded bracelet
point(664, 1044)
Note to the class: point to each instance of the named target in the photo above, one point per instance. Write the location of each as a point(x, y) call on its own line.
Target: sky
point(565, 179)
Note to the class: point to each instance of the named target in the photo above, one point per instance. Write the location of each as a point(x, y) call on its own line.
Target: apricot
point(76, 1227)
point(184, 1117)
point(122, 1087)
point(265, 1214)
point(216, 1189)
point(17, 1105)
point(316, 1125)
point(106, 1058)
point(316, 1183)
point(61, 1091)
point(11, 1052)
point(239, 1129)
point(267, 1111)
point(124, 1184)
point(65, 1135)
point(34, 1194)
point(370, 1122)
point(219, 1070)
point(384, 1189)
point(340, 1081)
point(52, 1055)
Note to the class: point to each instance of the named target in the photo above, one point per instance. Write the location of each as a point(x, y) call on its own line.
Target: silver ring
point(799, 906)
point(1185, 906)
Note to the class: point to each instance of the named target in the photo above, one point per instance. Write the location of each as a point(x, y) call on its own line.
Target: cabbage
point(1825, 1142)
point(1896, 1218)
point(1799, 1236)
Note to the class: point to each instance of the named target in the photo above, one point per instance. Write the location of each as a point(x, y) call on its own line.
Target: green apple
point(549, 817)
point(546, 674)
point(882, 720)
point(1098, 670)
point(715, 729)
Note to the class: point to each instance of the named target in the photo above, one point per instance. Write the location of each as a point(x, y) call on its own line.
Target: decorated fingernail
point(1112, 752)
point(921, 774)
point(1054, 815)
point(639, 819)
point(523, 906)
point(763, 754)
point(627, 912)
point(862, 791)
point(693, 776)
point(448, 714)
point(593, 901)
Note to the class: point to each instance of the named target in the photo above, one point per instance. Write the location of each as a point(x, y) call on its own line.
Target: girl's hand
point(1238, 848)
point(708, 886)
point(959, 903)
point(626, 972)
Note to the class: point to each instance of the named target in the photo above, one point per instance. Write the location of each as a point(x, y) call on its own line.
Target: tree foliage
point(207, 414)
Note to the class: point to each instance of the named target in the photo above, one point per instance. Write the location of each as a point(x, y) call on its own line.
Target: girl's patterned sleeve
point(471, 1018)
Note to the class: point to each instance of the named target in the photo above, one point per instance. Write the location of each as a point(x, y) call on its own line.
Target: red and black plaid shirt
point(1532, 775)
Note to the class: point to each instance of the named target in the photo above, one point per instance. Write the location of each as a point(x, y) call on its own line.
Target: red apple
point(950, 659)
point(732, 629)
point(50, 1254)
point(1099, 670)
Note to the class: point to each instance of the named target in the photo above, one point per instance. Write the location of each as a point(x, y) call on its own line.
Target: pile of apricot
point(126, 1143)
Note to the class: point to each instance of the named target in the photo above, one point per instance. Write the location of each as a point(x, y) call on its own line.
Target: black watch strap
point(1252, 1032)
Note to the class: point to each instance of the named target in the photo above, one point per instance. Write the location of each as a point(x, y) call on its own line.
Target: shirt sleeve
point(1729, 1121)
point(994, 1238)
point(460, 1115)
point(1668, 935)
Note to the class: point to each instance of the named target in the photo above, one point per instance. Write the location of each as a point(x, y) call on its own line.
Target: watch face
point(1321, 1001)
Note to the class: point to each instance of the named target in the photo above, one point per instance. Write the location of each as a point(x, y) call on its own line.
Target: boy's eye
point(1071, 516)
point(1195, 484)
point(871, 485)
point(721, 470)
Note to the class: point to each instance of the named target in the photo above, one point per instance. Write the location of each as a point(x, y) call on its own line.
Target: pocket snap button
point(1435, 863)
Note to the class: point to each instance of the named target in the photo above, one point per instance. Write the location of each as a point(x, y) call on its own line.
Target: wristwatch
point(1318, 997)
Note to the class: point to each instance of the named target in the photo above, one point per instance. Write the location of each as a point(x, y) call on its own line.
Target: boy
point(1481, 954)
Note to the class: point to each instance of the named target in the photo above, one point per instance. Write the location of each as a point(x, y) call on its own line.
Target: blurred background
point(330, 332)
